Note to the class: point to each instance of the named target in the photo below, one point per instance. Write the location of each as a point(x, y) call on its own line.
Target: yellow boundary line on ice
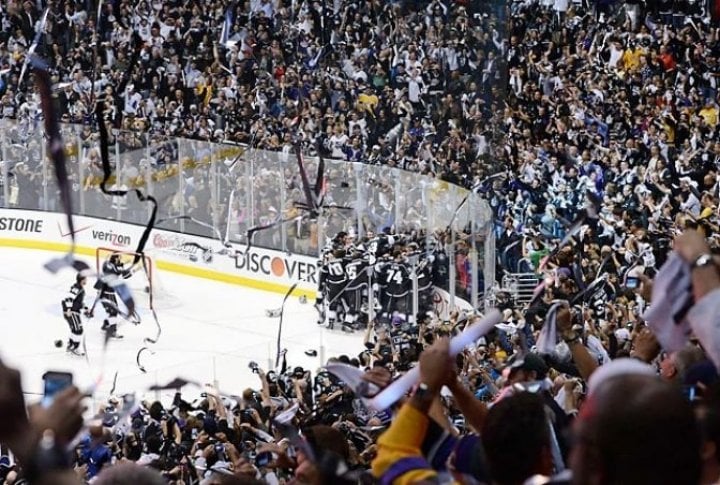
point(164, 265)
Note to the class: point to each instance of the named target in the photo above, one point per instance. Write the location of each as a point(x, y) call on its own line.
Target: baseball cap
point(530, 362)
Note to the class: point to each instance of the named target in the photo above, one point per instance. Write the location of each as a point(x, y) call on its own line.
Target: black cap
point(531, 362)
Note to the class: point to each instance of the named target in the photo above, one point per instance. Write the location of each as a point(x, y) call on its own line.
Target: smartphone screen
point(54, 383)
point(632, 282)
point(263, 459)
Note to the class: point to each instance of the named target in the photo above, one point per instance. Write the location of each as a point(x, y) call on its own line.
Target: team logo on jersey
point(278, 266)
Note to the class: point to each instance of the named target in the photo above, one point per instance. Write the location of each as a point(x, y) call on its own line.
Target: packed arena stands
point(590, 127)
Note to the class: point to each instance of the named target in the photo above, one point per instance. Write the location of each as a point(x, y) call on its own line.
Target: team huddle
point(385, 266)
point(73, 305)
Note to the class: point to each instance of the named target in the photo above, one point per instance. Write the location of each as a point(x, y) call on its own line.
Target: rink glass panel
point(227, 189)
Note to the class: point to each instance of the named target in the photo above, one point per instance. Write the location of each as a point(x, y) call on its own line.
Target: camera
point(254, 367)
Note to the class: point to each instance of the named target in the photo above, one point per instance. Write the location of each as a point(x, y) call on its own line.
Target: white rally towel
point(596, 348)
point(704, 320)
point(671, 301)
point(548, 338)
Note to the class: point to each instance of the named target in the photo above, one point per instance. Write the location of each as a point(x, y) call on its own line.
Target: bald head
point(636, 429)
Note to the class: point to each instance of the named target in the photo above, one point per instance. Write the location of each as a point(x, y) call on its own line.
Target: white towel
point(704, 320)
point(548, 338)
point(671, 298)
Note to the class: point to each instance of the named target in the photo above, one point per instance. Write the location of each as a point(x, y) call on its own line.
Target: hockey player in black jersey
point(377, 245)
point(425, 284)
point(357, 269)
point(112, 268)
point(72, 305)
point(395, 286)
point(336, 244)
point(334, 279)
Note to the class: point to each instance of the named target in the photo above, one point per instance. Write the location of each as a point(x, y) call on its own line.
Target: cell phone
point(54, 382)
point(263, 459)
point(632, 282)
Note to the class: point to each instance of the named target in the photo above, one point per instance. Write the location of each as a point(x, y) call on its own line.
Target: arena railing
point(231, 188)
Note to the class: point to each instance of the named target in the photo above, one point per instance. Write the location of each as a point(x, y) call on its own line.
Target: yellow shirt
point(403, 440)
point(710, 115)
point(368, 102)
point(631, 59)
point(706, 212)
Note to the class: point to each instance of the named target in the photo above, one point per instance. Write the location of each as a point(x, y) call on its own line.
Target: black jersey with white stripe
point(357, 272)
point(334, 272)
point(74, 301)
point(395, 278)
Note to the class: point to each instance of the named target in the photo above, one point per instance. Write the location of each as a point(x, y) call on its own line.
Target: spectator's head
point(129, 474)
point(636, 429)
point(156, 410)
point(330, 448)
point(516, 439)
point(530, 367)
point(673, 366)
point(708, 416)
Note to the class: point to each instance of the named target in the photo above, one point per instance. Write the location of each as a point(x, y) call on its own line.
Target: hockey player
point(425, 284)
point(334, 279)
point(357, 271)
point(112, 268)
point(72, 305)
point(395, 286)
point(335, 244)
point(377, 245)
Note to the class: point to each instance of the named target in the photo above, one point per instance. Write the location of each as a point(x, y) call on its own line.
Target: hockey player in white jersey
point(112, 268)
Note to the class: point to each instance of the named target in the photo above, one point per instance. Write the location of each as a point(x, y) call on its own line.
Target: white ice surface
point(210, 332)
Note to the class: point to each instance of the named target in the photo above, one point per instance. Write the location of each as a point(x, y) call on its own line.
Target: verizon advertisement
point(193, 255)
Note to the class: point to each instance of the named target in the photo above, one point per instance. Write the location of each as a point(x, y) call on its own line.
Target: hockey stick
point(159, 329)
point(84, 345)
point(137, 358)
point(107, 173)
point(282, 313)
point(96, 47)
point(112, 389)
point(310, 196)
point(34, 46)
point(250, 234)
point(56, 150)
point(199, 223)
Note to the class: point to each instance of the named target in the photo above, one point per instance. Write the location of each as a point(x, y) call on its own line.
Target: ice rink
point(211, 331)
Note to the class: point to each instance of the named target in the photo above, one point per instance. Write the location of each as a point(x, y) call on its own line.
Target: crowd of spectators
point(407, 85)
point(596, 109)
